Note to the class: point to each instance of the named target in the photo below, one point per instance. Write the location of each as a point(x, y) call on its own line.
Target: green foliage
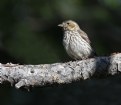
point(113, 4)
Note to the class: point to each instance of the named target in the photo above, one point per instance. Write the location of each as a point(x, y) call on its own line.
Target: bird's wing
point(84, 36)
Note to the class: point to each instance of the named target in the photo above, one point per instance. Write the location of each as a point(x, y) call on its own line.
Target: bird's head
point(69, 25)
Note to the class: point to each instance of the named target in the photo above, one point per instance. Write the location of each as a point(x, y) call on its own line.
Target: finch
point(76, 41)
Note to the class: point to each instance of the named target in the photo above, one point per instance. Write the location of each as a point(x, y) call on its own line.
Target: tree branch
point(40, 75)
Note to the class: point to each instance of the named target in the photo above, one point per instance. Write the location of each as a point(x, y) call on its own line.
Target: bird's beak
point(60, 25)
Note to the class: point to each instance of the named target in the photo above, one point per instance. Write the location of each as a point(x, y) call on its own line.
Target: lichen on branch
point(40, 75)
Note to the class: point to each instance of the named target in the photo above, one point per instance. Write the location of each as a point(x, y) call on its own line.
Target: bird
point(76, 41)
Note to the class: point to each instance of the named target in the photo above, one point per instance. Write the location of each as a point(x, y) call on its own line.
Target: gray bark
point(40, 75)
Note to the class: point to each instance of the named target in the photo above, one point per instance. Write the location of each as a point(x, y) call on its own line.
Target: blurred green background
point(29, 35)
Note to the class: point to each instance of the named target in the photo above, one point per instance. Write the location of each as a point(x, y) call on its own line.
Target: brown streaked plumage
point(76, 41)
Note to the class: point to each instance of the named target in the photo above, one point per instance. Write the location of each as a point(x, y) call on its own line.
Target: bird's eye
point(68, 23)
